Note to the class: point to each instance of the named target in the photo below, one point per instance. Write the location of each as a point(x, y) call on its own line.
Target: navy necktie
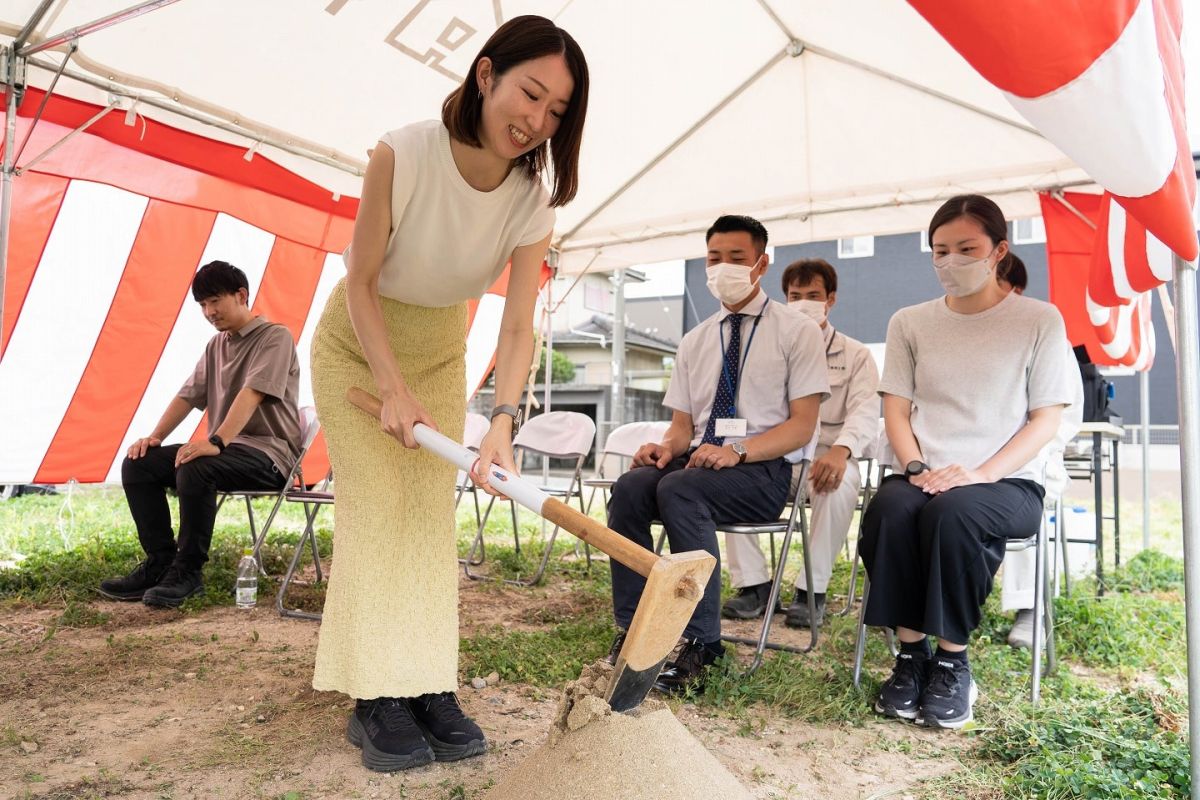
point(723, 402)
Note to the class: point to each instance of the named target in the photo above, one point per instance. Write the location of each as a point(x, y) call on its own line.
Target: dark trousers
point(931, 558)
point(197, 482)
point(690, 503)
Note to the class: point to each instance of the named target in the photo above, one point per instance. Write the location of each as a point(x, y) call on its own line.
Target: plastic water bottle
point(247, 580)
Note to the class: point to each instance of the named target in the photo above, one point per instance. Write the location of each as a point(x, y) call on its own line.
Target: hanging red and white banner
point(1103, 82)
point(1117, 335)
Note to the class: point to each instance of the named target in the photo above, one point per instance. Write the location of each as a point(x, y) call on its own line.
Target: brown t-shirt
point(261, 356)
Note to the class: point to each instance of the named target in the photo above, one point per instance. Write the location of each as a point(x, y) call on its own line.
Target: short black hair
point(733, 223)
point(803, 271)
point(1012, 271)
point(217, 278)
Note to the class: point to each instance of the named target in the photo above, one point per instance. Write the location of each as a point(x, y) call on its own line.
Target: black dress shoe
point(144, 576)
point(176, 585)
point(749, 603)
point(450, 732)
point(615, 650)
point(797, 613)
point(388, 734)
point(687, 670)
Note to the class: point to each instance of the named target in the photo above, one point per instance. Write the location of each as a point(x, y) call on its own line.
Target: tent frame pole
point(41, 109)
point(79, 31)
point(1188, 360)
point(13, 85)
point(1144, 402)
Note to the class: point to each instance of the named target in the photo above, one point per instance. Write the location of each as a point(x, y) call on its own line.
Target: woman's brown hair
point(519, 40)
point(981, 209)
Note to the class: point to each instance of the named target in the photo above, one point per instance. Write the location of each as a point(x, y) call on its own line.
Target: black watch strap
point(914, 468)
point(216, 442)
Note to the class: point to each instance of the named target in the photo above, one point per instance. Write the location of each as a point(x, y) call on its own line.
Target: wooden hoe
point(674, 583)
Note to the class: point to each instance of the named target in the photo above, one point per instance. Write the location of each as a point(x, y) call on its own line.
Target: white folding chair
point(556, 434)
point(309, 427)
point(474, 429)
point(787, 526)
point(621, 444)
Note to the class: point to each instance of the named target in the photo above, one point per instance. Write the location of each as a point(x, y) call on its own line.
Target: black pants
point(690, 503)
point(197, 482)
point(931, 558)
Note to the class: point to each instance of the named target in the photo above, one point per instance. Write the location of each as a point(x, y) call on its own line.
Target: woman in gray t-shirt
point(974, 384)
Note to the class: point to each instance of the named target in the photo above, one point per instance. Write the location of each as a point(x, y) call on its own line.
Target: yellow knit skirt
point(390, 626)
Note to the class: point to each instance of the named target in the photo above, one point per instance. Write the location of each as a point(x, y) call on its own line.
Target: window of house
point(856, 247)
point(1029, 231)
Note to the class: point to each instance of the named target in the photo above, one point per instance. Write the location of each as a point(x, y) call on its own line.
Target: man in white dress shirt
point(849, 429)
point(745, 392)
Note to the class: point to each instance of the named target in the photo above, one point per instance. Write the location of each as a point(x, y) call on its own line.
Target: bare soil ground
point(155, 704)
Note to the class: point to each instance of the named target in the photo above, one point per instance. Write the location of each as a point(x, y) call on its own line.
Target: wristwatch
point(915, 468)
point(740, 449)
point(512, 411)
point(216, 442)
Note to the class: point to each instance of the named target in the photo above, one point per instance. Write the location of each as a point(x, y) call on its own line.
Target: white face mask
point(961, 275)
point(730, 283)
point(816, 310)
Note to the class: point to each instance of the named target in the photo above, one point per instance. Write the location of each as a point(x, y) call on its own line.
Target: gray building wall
point(899, 274)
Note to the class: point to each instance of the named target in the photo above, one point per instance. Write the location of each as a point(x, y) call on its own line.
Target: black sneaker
point(750, 602)
point(797, 613)
point(388, 734)
point(131, 587)
point(900, 695)
point(176, 585)
point(949, 697)
point(450, 732)
point(687, 670)
point(615, 650)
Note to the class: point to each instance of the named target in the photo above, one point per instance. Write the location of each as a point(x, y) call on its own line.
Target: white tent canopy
point(824, 120)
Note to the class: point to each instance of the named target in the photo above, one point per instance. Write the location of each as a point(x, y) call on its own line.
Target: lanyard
point(829, 346)
point(733, 386)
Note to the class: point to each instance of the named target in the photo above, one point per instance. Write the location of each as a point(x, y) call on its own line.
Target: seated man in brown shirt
point(248, 381)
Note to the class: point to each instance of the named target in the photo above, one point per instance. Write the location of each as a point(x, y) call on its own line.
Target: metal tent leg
point(1188, 373)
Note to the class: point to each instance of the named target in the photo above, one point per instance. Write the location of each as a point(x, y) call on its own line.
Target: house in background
point(583, 334)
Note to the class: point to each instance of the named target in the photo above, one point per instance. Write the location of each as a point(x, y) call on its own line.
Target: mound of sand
point(593, 752)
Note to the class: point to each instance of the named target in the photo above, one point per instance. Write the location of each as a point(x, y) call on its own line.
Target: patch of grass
point(1126, 745)
point(1131, 631)
point(547, 658)
point(1148, 571)
point(816, 690)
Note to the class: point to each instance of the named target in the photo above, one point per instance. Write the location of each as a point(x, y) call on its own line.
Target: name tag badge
point(730, 427)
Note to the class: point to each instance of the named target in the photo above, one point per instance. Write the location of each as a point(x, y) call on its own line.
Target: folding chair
point(309, 427)
point(555, 434)
point(312, 501)
point(474, 430)
point(866, 466)
point(796, 519)
point(621, 444)
point(1043, 608)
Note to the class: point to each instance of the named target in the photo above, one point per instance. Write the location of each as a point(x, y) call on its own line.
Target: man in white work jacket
point(849, 429)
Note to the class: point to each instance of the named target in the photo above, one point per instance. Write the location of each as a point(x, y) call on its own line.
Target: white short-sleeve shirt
point(449, 242)
point(785, 361)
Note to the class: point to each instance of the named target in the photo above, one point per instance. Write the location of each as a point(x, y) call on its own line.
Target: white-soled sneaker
point(900, 694)
point(949, 697)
